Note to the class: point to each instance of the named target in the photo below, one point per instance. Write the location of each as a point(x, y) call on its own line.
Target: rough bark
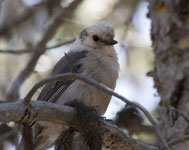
point(113, 137)
point(170, 35)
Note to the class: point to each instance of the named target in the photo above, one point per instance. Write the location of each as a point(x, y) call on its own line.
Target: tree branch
point(178, 140)
point(113, 137)
point(16, 51)
point(60, 44)
point(28, 51)
point(71, 76)
point(40, 49)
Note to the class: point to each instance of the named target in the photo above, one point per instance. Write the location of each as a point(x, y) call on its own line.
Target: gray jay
point(91, 55)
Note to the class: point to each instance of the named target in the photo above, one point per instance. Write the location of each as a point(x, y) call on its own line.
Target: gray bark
point(113, 137)
point(170, 35)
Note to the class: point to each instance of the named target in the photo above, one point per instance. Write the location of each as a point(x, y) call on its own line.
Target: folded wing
point(67, 64)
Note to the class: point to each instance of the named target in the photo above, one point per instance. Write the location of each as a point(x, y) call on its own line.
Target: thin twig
point(16, 51)
point(28, 51)
point(71, 76)
point(178, 140)
point(40, 49)
point(60, 44)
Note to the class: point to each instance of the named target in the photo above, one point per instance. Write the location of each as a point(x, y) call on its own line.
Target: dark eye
point(95, 38)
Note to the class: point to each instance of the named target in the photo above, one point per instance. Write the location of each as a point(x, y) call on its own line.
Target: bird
point(91, 55)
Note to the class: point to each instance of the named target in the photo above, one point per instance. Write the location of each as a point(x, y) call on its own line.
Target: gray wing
point(68, 63)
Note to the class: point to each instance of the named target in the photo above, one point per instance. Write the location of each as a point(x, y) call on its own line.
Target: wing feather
point(52, 91)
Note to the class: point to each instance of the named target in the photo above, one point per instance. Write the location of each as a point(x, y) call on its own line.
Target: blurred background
point(28, 19)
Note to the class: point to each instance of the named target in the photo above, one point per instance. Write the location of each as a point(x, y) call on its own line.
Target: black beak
point(110, 42)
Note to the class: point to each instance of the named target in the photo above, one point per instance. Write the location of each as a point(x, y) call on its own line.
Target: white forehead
point(102, 29)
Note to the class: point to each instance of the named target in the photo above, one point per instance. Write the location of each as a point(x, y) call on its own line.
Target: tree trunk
point(170, 35)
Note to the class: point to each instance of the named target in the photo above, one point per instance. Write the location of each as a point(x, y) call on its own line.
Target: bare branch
point(16, 51)
point(40, 49)
point(18, 112)
point(121, 142)
point(60, 44)
point(71, 76)
point(178, 140)
point(113, 137)
point(60, 114)
point(28, 51)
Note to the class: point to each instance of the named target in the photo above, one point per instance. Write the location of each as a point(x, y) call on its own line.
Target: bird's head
point(98, 36)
